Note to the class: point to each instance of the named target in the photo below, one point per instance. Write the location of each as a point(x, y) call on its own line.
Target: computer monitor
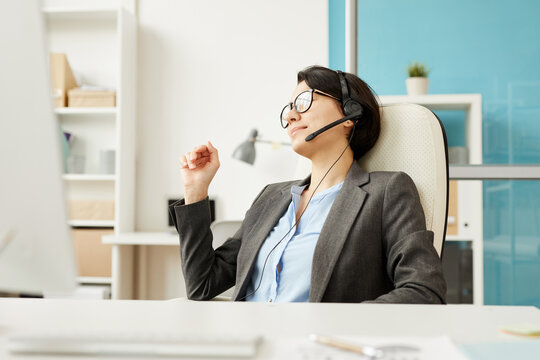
point(36, 250)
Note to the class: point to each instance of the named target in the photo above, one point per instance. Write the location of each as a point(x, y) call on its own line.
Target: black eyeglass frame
point(291, 104)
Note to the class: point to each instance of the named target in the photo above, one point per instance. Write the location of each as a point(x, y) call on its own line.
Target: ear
point(347, 128)
point(348, 124)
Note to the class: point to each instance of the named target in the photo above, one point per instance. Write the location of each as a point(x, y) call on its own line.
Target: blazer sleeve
point(413, 264)
point(207, 272)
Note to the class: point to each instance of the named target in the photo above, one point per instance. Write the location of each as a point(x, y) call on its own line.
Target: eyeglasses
point(301, 103)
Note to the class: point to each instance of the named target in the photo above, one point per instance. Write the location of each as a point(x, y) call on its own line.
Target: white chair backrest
point(222, 230)
point(413, 140)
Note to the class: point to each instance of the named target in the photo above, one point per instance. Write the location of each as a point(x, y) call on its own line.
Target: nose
point(292, 115)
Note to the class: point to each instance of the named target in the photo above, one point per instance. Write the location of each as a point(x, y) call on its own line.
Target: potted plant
point(417, 83)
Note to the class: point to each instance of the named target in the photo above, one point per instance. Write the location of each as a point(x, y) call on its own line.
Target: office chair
point(413, 140)
point(222, 230)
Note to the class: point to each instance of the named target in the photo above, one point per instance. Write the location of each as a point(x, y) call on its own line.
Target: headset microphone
point(331, 125)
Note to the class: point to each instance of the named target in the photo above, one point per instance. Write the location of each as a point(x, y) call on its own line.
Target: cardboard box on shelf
point(78, 97)
point(62, 78)
point(91, 209)
point(93, 257)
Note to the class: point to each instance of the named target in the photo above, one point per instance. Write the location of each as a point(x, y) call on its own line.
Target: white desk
point(123, 253)
point(464, 324)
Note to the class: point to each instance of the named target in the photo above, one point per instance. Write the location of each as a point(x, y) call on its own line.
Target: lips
point(296, 129)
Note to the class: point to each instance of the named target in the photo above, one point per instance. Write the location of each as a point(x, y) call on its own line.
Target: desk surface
point(463, 323)
point(143, 238)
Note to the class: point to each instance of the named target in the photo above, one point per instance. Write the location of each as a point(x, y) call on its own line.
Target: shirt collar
point(298, 189)
point(355, 177)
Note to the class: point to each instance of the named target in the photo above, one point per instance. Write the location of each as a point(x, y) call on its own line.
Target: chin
point(302, 147)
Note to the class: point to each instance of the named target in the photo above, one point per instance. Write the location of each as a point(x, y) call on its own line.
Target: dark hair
point(368, 128)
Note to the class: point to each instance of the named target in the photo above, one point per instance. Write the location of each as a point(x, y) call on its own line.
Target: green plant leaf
point(417, 70)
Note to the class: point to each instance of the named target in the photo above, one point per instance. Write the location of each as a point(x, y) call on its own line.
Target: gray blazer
point(373, 247)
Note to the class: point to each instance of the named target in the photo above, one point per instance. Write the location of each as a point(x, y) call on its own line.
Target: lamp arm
point(271, 142)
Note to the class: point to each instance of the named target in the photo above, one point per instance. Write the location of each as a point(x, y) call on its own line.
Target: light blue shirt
point(287, 273)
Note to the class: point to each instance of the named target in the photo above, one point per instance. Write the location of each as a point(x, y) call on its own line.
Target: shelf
point(88, 177)
point(435, 101)
point(80, 13)
point(79, 28)
point(86, 111)
point(143, 238)
point(457, 238)
point(495, 172)
point(94, 280)
point(92, 223)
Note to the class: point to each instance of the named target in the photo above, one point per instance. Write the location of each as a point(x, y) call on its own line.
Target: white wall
point(212, 70)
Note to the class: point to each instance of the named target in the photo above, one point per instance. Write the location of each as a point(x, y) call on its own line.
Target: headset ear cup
point(351, 107)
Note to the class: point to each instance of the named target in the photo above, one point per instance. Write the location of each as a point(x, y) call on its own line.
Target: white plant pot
point(417, 85)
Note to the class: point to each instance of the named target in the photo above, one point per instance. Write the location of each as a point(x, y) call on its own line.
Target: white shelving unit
point(101, 280)
point(85, 111)
point(88, 177)
point(80, 13)
point(101, 47)
point(470, 210)
point(92, 223)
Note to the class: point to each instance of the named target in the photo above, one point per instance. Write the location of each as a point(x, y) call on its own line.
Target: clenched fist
point(198, 168)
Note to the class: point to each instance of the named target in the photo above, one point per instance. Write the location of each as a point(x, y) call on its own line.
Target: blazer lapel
point(334, 233)
point(268, 217)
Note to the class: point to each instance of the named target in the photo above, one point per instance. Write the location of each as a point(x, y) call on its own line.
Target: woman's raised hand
point(198, 168)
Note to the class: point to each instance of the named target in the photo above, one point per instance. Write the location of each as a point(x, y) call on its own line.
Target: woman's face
point(322, 112)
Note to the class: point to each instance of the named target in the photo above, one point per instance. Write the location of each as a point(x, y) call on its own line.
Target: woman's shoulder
point(383, 179)
point(274, 188)
point(388, 175)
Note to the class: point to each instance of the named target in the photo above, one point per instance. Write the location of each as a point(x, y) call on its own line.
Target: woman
point(340, 235)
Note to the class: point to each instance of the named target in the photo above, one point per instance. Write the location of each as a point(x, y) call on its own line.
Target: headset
point(353, 110)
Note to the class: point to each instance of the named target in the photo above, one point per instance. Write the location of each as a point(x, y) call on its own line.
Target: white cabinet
point(100, 44)
point(469, 219)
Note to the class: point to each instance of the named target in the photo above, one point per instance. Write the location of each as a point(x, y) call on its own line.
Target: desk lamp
point(246, 150)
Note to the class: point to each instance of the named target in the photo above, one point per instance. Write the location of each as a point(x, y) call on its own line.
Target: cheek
point(317, 121)
point(327, 115)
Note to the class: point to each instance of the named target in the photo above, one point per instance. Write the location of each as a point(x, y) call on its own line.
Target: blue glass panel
point(454, 125)
point(336, 47)
point(483, 46)
point(512, 243)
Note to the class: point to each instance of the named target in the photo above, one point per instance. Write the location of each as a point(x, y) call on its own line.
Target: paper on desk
point(439, 347)
point(503, 350)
